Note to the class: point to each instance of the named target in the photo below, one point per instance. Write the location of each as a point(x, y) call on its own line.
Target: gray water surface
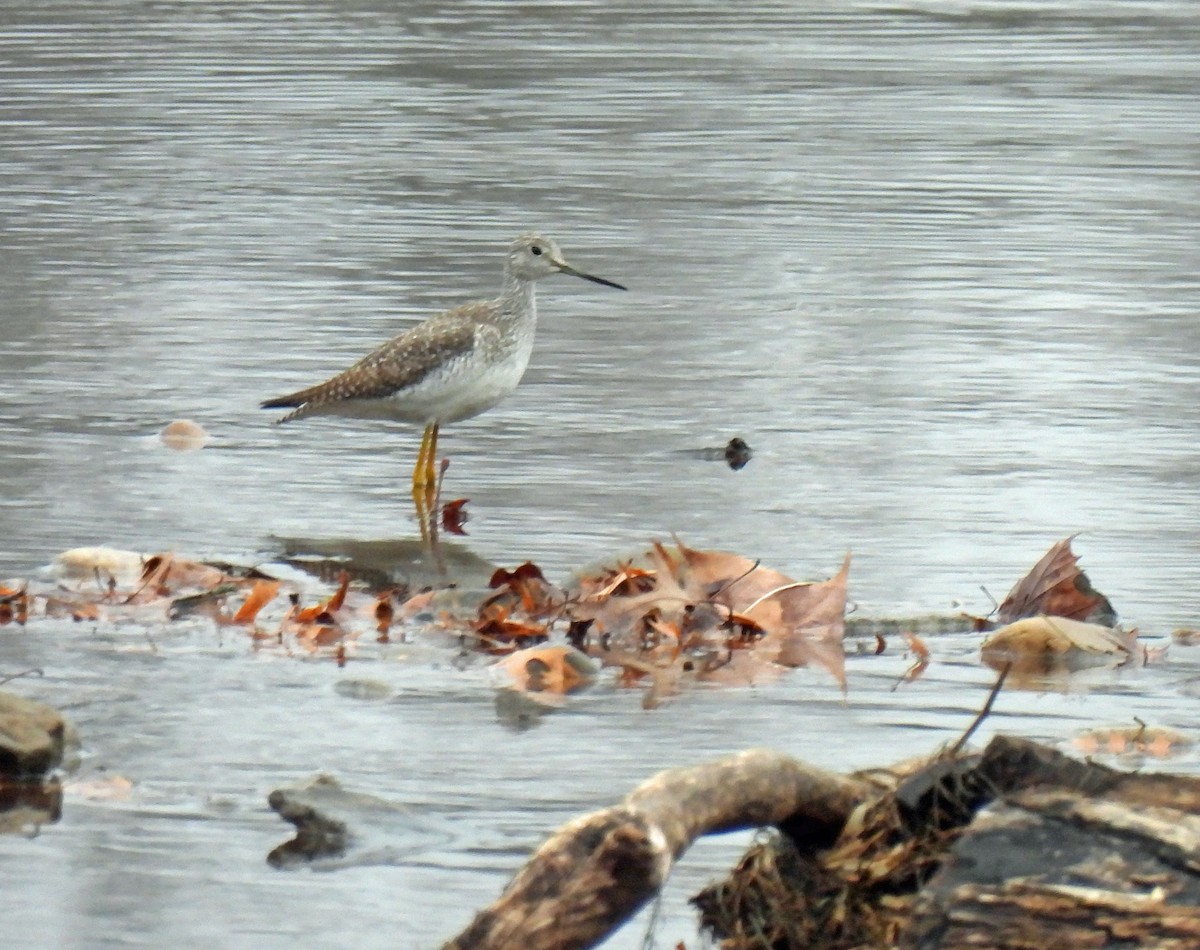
point(937, 262)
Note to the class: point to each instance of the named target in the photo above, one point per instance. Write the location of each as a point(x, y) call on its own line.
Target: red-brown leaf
point(1055, 586)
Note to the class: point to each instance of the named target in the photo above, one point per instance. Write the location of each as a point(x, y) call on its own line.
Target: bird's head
point(532, 257)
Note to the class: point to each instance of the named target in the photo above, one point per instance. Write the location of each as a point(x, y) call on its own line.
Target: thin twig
point(728, 584)
point(983, 713)
point(778, 590)
point(988, 594)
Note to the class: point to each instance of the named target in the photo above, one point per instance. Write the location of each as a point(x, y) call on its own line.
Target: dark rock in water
point(336, 828)
point(27, 805)
point(31, 746)
point(31, 737)
point(318, 834)
point(736, 453)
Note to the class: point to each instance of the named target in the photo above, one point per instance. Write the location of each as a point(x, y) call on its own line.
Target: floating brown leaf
point(454, 516)
point(812, 623)
point(385, 613)
point(498, 632)
point(1145, 740)
point(699, 608)
point(14, 605)
point(1036, 645)
point(921, 652)
point(549, 669)
point(85, 612)
point(324, 610)
point(316, 635)
point(725, 578)
point(168, 576)
point(1055, 586)
point(261, 594)
point(623, 581)
point(525, 589)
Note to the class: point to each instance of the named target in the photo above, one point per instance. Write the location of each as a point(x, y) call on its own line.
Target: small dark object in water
point(737, 453)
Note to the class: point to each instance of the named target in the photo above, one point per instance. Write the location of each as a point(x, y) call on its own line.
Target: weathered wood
point(1030, 875)
point(1063, 853)
point(596, 871)
point(1075, 855)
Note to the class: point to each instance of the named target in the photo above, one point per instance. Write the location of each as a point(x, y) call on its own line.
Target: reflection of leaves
point(1056, 586)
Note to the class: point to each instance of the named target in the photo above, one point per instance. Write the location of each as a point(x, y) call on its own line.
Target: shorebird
point(453, 366)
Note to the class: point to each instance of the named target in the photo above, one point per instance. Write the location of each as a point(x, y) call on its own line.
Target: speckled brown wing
point(397, 365)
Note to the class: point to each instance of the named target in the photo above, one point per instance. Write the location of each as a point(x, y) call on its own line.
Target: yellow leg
point(425, 471)
point(431, 459)
point(424, 481)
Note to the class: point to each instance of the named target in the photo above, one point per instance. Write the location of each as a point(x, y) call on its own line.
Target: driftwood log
point(1020, 847)
point(1073, 855)
point(595, 872)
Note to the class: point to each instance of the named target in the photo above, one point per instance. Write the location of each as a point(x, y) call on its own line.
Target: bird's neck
point(518, 305)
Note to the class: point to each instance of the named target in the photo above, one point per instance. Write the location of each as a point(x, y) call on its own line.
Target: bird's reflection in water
point(384, 563)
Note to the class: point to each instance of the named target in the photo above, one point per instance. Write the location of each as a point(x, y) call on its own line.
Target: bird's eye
point(536, 250)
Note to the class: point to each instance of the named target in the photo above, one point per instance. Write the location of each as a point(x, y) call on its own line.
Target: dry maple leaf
point(811, 623)
point(720, 603)
point(1057, 587)
point(721, 577)
point(621, 616)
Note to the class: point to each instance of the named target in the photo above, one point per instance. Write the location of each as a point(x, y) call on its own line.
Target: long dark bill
point(568, 269)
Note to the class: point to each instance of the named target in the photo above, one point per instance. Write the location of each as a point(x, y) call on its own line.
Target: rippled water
point(936, 262)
